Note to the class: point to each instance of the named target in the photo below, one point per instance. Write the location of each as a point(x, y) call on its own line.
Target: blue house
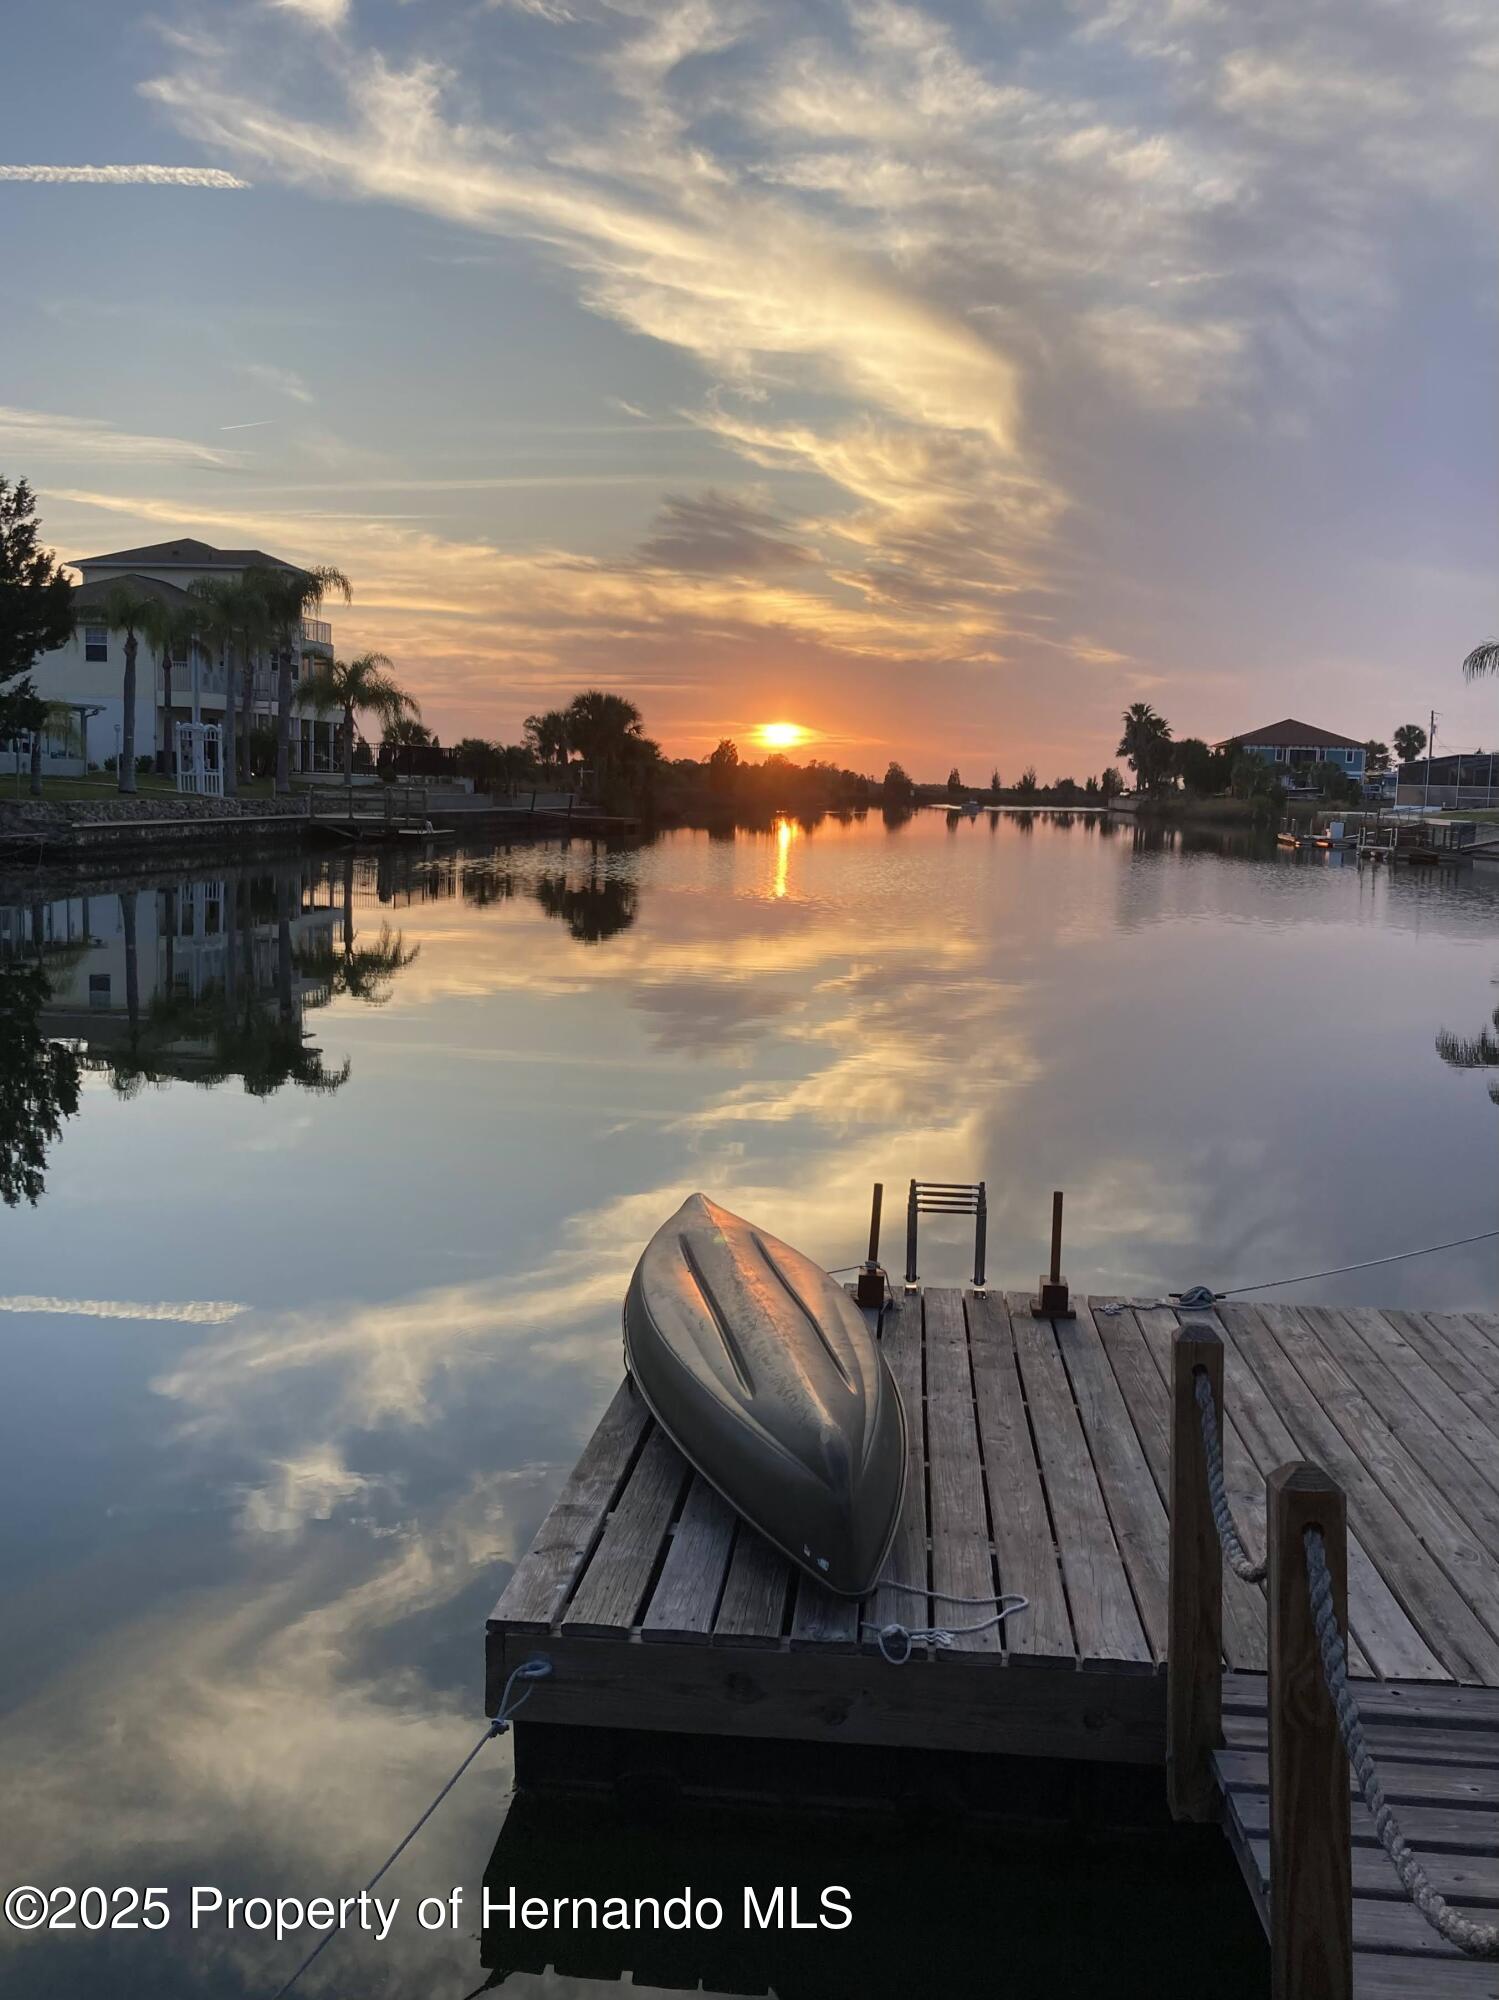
point(1290, 743)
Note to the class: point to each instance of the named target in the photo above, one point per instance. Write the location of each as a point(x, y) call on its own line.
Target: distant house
point(87, 671)
point(1465, 778)
point(1290, 743)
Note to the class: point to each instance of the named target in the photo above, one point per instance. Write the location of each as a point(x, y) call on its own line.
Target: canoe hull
point(765, 1375)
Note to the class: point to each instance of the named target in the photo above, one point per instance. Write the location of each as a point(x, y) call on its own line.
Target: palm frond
point(1482, 660)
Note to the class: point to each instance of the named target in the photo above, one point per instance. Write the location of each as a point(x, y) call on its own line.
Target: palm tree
point(162, 628)
point(1483, 659)
point(126, 607)
point(1146, 744)
point(1409, 740)
point(226, 615)
point(599, 725)
point(290, 595)
point(406, 734)
point(48, 718)
point(355, 687)
point(548, 736)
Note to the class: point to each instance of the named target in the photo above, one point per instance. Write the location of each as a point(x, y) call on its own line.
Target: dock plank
point(1433, 1543)
point(1024, 1545)
point(822, 1618)
point(1383, 1641)
point(1144, 1385)
point(1136, 1510)
point(1446, 1355)
point(692, 1578)
point(1103, 1608)
point(962, 1567)
point(1405, 1635)
point(900, 1340)
point(1453, 1445)
point(547, 1571)
point(752, 1610)
point(613, 1588)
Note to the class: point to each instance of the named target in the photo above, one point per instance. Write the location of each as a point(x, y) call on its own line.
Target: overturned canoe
point(765, 1375)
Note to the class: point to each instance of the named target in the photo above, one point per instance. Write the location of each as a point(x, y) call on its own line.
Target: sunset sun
point(781, 735)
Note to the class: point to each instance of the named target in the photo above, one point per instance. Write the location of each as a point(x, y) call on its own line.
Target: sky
point(941, 378)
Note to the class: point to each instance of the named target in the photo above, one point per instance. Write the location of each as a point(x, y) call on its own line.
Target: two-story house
point(1291, 743)
point(87, 673)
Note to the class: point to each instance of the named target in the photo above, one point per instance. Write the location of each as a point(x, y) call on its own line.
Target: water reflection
point(1480, 1051)
point(293, 1373)
point(38, 1077)
point(199, 981)
point(592, 910)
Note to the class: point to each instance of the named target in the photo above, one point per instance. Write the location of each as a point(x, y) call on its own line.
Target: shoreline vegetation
point(594, 750)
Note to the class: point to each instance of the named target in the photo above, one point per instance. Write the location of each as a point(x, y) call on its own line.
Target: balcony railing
point(316, 632)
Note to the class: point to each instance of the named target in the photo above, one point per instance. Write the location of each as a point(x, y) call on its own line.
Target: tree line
point(1163, 763)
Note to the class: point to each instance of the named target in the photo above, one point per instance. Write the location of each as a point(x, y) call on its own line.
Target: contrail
point(197, 1312)
point(258, 425)
point(204, 177)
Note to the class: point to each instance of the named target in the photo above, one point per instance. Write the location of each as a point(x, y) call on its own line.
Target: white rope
point(904, 1638)
point(1239, 1559)
point(535, 1669)
point(1477, 1940)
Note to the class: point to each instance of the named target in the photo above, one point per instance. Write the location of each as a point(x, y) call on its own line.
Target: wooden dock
point(1041, 1456)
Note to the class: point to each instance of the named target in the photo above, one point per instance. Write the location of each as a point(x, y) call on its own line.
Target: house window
point(98, 989)
point(1280, 753)
point(96, 642)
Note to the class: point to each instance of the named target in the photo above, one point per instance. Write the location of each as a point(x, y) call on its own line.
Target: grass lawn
point(146, 787)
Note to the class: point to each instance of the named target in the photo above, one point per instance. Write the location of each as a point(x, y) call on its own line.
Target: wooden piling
point(1194, 1692)
point(1311, 1888)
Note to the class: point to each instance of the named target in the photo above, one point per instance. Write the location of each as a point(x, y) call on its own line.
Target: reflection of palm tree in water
point(230, 1028)
point(38, 1077)
point(1480, 1051)
point(594, 910)
point(362, 971)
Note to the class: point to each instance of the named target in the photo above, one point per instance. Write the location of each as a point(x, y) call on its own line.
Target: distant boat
point(765, 1375)
point(1124, 802)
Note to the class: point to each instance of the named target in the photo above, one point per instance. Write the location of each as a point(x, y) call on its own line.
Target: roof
point(1292, 735)
point(99, 588)
point(185, 553)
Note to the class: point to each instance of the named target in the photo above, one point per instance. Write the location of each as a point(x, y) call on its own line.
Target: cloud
point(38, 432)
point(328, 14)
point(741, 282)
point(941, 283)
point(199, 177)
point(285, 381)
point(196, 1312)
point(717, 533)
point(1169, 364)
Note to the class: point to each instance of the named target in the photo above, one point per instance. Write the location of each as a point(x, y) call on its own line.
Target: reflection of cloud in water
point(255, 1739)
point(302, 1490)
point(205, 1312)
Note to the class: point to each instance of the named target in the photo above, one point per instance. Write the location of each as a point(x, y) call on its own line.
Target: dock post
point(1053, 1300)
point(870, 1288)
point(980, 1237)
point(1311, 1885)
point(911, 1237)
point(1194, 1651)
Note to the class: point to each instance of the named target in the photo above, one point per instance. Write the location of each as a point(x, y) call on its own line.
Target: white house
point(88, 672)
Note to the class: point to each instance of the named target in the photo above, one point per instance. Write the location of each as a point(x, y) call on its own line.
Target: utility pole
point(1431, 744)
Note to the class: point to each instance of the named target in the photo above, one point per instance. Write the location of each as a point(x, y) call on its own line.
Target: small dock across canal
point(1042, 1462)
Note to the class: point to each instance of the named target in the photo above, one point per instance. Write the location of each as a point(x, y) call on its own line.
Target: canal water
point(324, 1178)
